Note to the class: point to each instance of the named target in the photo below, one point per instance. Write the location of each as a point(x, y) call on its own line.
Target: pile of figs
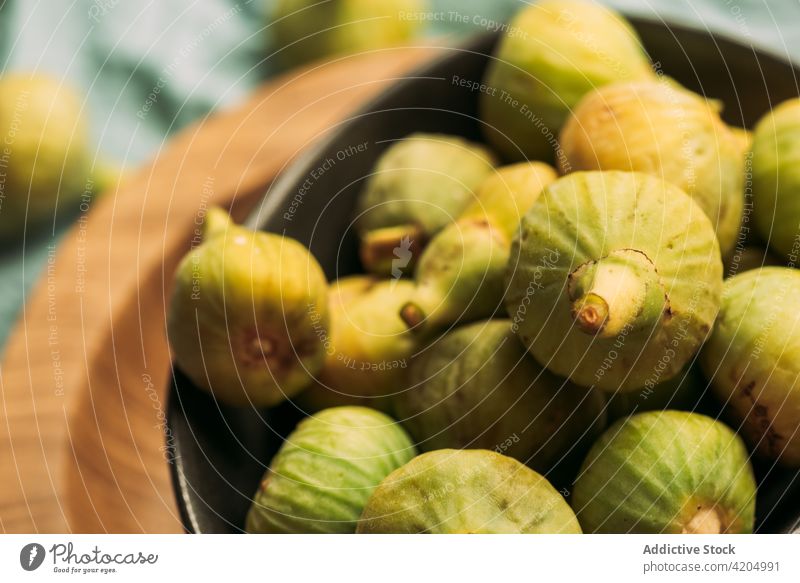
point(570, 328)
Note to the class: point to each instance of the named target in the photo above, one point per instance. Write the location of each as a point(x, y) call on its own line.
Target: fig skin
point(466, 492)
point(753, 359)
point(419, 185)
point(323, 475)
point(477, 387)
point(247, 315)
point(666, 472)
point(552, 54)
point(776, 179)
point(659, 128)
point(306, 30)
point(606, 286)
point(48, 165)
point(369, 348)
point(460, 275)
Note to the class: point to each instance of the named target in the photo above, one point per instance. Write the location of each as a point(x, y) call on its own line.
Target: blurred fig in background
point(44, 157)
point(550, 56)
point(306, 30)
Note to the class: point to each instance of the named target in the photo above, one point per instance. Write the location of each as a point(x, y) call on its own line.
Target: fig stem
point(705, 521)
point(620, 292)
point(216, 222)
point(392, 251)
point(413, 315)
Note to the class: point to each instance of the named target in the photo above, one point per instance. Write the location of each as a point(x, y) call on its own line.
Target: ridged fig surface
point(614, 280)
point(776, 179)
point(753, 359)
point(326, 470)
point(659, 128)
point(466, 492)
point(666, 472)
point(477, 387)
point(549, 57)
point(248, 315)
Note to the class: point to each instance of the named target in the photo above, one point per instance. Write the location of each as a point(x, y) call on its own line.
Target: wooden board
point(84, 376)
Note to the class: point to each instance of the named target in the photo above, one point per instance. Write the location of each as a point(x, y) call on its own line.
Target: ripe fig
point(248, 315)
point(614, 280)
point(306, 30)
point(477, 387)
point(753, 359)
point(369, 347)
point(666, 472)
point(659, 128)
point(326, 470)
point(550, 56)
point(776, 179)
point(460, 275)
point(419, 185)
point(466, 492)
point(45, 163)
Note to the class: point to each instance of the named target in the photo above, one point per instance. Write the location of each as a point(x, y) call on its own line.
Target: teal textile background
point(150, 67)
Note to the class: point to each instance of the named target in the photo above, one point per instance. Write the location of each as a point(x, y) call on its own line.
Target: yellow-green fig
point(659, 128)
point(466, 492)
point(683, 392)
point(460, 275)
point(753, 359)
point(550, 56)
point(326, 470)
point(248, 315)
point(614, 279)
point(45, 163)
point(369, 347)
point(419, 185)
point(746, 258)
point(477, 387)
point(776, 179)
point(306, 30)
point(666, 472)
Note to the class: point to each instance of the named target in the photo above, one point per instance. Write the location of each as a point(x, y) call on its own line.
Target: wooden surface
point(84, 375)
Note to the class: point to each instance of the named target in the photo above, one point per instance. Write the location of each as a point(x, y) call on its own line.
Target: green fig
point(369, 347)
point(477, 387)
point(45, 163)
point(753, 359)
point(326, 470)
point(460, 275)
point(466, 492)
point(661, 129)
point(614, 280)
point(306, 30)
point(248, 315)
point(549, 57)
point(666, 472)
point(776, 179)
point(419, 186)
point(744, 137)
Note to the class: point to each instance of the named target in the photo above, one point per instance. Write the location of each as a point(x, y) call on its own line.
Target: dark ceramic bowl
point(221, 453)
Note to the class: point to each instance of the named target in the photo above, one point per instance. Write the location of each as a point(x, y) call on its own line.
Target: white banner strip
point(353, 559)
